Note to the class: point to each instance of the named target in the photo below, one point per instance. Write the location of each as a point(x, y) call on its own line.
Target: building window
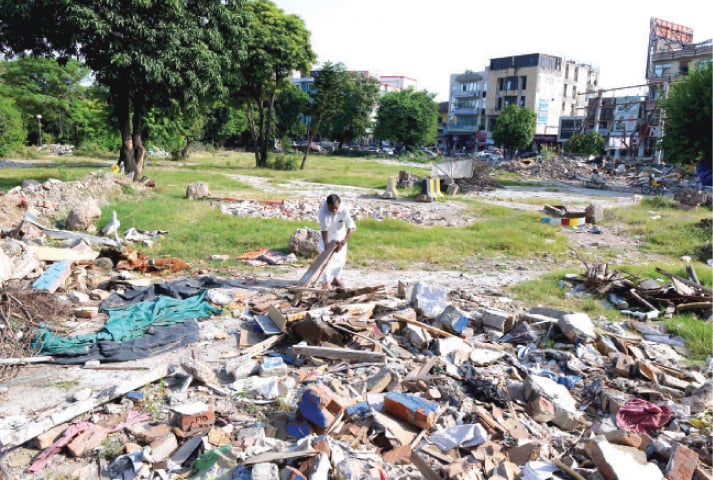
point(500, 103)
point(500, 83)
point(662, 70)
point(522, 101)
point(511, 83)
point(564, 93)
point(574, 91)
point(566, 71)
point(523, 82)
point(510, 100)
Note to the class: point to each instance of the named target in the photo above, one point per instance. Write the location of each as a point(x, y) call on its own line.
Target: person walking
point(335, 224)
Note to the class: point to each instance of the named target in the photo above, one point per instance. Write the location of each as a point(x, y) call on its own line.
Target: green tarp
point(127, 323)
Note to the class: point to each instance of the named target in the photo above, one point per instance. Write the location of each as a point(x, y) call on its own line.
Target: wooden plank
point(311, 276)
point(26, 360)
point(339, 353)
point(54, 254)
point(277, 456)
point(258, 348)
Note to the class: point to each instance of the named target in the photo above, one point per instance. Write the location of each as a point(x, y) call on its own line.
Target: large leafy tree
point(290, 105)
point(358, 95)
point(515, 127)
point(41, 86)
point(687, 117)
point(409, 117)
point(590, 143)
point(166, 54)
point(277, 44)
point(12, 132)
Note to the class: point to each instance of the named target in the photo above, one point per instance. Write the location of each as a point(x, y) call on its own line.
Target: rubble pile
point(54, 198)
point(410, 381)
point(306, 209)
point(561, 168)
point(480, 181)
point(646, 298)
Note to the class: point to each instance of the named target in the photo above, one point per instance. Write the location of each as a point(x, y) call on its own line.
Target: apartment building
point(465, 127)
point(551, 86)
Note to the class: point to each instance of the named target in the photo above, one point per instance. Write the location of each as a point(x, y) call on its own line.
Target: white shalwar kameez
point(336, 225)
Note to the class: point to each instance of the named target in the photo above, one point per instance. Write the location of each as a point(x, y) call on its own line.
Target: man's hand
point(340, 244)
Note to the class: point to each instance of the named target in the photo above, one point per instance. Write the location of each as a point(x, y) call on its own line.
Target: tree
point(290, 105)
point(687, 119)
point(42, 86)
point(147, 53)
point(356, 96)
point(12, 132)
point(515, 127)
point(276, 45)
point(408, 117)
point(590, 143)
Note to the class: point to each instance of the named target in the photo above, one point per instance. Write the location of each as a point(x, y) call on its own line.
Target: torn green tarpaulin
point(128, 323)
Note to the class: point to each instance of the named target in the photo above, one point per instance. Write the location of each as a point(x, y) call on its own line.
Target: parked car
point(489, 156)
point(313, 147)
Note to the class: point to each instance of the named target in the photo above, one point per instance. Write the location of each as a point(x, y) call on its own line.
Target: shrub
point(12, 132)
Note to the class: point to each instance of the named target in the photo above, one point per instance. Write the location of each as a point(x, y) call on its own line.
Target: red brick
point(682, 463)
point(87, 441)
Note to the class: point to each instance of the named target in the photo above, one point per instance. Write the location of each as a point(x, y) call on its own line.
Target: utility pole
point(39, 129)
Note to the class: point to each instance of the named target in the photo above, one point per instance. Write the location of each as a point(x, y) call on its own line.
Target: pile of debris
point(646, 298)
point(562, 168)
point(239, 378)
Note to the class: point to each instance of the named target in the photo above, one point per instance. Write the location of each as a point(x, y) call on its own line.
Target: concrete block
point(498, 319)
point(429, 301)
point(617, 462)
point(414, 410)
point(163, 447)
point(578, 327)
point(541, 410)
point(453, 319)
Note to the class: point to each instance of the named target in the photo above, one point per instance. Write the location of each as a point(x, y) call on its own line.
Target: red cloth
point(640, 416)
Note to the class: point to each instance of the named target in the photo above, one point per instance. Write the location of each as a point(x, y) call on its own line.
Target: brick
point(320, 406)
point(87, 441)
point(415, 410)
point(621, 437)
point(682, 463)
point(194, 422)
point(47, 438)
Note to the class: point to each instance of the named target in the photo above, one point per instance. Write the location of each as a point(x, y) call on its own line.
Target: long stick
point(25, 360)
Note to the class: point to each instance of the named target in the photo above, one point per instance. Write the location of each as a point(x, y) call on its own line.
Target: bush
point(12, 132)
point(285, 162)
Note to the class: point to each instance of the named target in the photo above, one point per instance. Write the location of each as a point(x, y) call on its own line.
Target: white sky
point(429, 40)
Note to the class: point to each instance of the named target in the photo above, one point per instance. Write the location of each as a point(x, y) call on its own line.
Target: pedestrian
point(335, 224)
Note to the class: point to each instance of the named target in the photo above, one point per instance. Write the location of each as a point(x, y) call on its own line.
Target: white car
point(494, 157)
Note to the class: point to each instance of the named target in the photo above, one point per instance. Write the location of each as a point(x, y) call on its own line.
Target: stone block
point(682, 463)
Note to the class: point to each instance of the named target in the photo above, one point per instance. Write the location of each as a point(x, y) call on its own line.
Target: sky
point(430, 40)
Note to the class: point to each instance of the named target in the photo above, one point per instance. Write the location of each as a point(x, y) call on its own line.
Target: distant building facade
point(551, 86)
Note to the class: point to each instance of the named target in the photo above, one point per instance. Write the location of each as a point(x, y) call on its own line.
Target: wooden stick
point(691, 272)
point(25, 360)
point(428, 328)
point(339, 353)
point(636, 295)
point(567, 469)
point(368, 339)
point(684, 280)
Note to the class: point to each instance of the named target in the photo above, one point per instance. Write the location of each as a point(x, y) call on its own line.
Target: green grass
point(677, 232)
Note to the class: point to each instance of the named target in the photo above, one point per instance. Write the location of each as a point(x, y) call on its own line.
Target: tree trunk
point(262, 135)
point(309, 142)
point(253, 133)
point(126, 154)
point(139, 152)
point(184, 152)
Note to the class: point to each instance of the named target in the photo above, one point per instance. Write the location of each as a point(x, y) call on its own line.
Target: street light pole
point(39, 129)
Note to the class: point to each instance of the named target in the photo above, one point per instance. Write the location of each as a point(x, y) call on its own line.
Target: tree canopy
point(515, 127)
point(408, 117)
point(687, 118)
point(590, 143)
point(167, 54)
point(277, 44)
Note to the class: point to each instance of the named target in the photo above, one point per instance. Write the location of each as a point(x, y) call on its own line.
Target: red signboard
point(671, 31)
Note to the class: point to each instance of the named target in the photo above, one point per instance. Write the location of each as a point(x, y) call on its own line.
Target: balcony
point(464, 111)
point(470, 94)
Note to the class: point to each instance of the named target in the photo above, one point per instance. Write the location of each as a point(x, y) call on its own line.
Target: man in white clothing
point(336, 225)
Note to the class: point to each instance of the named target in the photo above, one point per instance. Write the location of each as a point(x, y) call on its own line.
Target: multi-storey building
point(671, 55)
point(551, 86)
point(465, 129)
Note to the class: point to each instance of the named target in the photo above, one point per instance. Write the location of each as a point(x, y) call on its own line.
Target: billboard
point(670, 31)
point(626, 116)
point(569, 126)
